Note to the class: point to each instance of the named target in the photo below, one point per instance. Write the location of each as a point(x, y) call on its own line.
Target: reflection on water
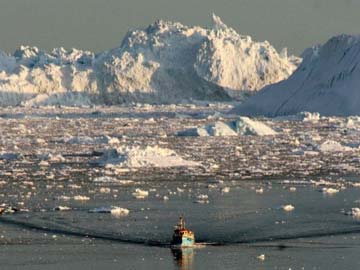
point(183, 257)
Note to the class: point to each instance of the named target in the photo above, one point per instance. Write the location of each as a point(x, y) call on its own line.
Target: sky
point(99, 25)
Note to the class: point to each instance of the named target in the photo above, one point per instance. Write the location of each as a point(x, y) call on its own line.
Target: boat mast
point(182, 223)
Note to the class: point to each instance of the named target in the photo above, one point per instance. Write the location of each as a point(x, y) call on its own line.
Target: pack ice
point(327, 82)
point(164, 63)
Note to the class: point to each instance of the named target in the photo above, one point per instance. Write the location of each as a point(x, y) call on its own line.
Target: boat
point(182, 237)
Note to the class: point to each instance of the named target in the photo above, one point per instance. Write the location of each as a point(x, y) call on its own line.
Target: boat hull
point(183, 241)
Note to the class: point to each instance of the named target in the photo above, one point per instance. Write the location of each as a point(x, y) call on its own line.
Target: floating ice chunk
point(329, 190)
point(202, 199)
point(355, 212)
point(119, 212)
point(74, 186)
point(113, 210)
point(126, 182)
point(105, 190)
point(225, 190)
point(62, 208)
point(63, 198)
point(357, 184)
point(7, 210)
point(104, 179)
point(140, 194)
point(81, 198)
point(288, 208)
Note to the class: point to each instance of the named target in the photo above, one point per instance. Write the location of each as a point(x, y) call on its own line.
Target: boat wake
point(201, 242)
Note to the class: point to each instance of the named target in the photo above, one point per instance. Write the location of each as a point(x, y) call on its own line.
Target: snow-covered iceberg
point(327, 82)
point(166, 62)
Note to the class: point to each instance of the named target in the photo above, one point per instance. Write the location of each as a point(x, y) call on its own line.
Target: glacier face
point(165, 63)
point(327, 82)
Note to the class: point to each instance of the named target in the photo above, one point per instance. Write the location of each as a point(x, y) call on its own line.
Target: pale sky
point(98, 25)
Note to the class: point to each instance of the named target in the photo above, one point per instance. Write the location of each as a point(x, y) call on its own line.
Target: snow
point(164, 63)
point(326, 82)
point(137, 157)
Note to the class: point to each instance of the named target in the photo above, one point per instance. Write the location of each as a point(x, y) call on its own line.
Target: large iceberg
point(327, 82)
point(166, 62)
